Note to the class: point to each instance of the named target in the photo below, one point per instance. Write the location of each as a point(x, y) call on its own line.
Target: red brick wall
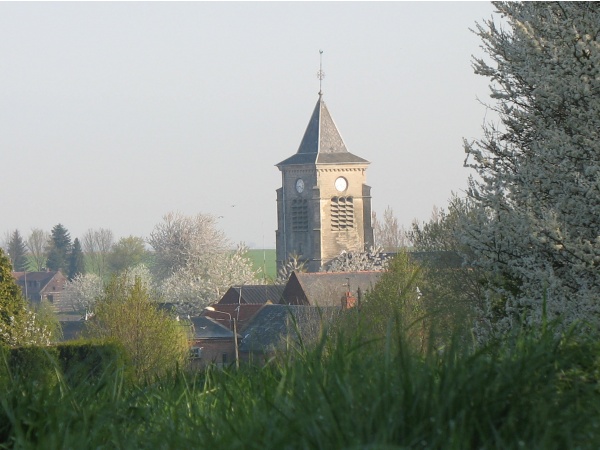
point(213, 351)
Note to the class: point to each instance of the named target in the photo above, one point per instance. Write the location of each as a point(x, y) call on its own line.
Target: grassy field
point(342, 393)
point(264, 262)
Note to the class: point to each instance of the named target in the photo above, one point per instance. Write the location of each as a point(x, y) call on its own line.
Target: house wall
point(45, 286)
point(213, 351)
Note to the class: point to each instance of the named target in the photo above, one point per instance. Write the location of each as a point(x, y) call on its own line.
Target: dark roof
point(35, 276)
point(42, 280)
point(322, 142)
point(208, 328)
point(327, 288)
point(242, 313)
point(252, 294)
point(274, 323)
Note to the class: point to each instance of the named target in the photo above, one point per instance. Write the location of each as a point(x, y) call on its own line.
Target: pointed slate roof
point(322, 142)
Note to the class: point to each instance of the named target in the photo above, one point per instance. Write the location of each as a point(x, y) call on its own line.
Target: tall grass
point(344, 392)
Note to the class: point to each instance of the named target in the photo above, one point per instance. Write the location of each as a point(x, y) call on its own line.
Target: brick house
point(213, 335)
point(38, 286)
point(212, 342)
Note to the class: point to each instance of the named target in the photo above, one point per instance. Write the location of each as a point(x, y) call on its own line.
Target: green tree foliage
point(17, 251)
point(452, 284)
point(12, 303)
point(538, 191)
point(18, 325)
point(48, 320)
point(396, 302)
point(76, 260)
point(155, 342)
point(126, 253)
point(59, 248)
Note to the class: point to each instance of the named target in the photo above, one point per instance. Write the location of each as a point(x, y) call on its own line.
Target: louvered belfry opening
point(342, 213)
point(299, 214)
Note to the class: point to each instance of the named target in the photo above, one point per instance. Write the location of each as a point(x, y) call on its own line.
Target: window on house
point(299, 214)
point(224, 358)
point(342, 213)
point(196, 352)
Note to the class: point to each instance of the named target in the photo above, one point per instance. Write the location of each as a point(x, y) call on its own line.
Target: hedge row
point(76, 362)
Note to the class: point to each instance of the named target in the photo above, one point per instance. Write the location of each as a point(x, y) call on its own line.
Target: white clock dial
point(299, 185)
point(341, 184)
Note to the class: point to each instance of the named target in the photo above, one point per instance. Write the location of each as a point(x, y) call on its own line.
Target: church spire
point(322, 143)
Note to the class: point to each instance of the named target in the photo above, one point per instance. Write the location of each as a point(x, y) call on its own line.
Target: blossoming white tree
point(194, 261)
point(294, 262)
point(82, 292)
point(372, 259)
point(537, 227)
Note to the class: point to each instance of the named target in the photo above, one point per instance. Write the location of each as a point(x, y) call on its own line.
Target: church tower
point(324, 205)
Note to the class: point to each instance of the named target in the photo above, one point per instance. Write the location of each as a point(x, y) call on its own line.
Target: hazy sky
point(113, 114)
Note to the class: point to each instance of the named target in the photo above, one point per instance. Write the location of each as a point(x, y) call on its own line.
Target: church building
point(324, 204)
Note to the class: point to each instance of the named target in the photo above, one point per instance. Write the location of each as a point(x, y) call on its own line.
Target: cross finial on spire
point(320, 73)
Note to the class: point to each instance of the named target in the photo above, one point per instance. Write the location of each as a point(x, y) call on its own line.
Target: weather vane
point(320, 73)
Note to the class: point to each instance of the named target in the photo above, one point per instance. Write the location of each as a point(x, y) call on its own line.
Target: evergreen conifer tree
point(76, 260)
point(17, 252)
point(59, 248)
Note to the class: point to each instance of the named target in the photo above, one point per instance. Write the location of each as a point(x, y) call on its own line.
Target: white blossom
point(194, 261)
point(82, 292)
point(536, 227)
point(23, 330)
point(371, 260)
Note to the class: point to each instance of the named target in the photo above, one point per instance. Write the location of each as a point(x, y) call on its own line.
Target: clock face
point(341, 184)
point(299, 185)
